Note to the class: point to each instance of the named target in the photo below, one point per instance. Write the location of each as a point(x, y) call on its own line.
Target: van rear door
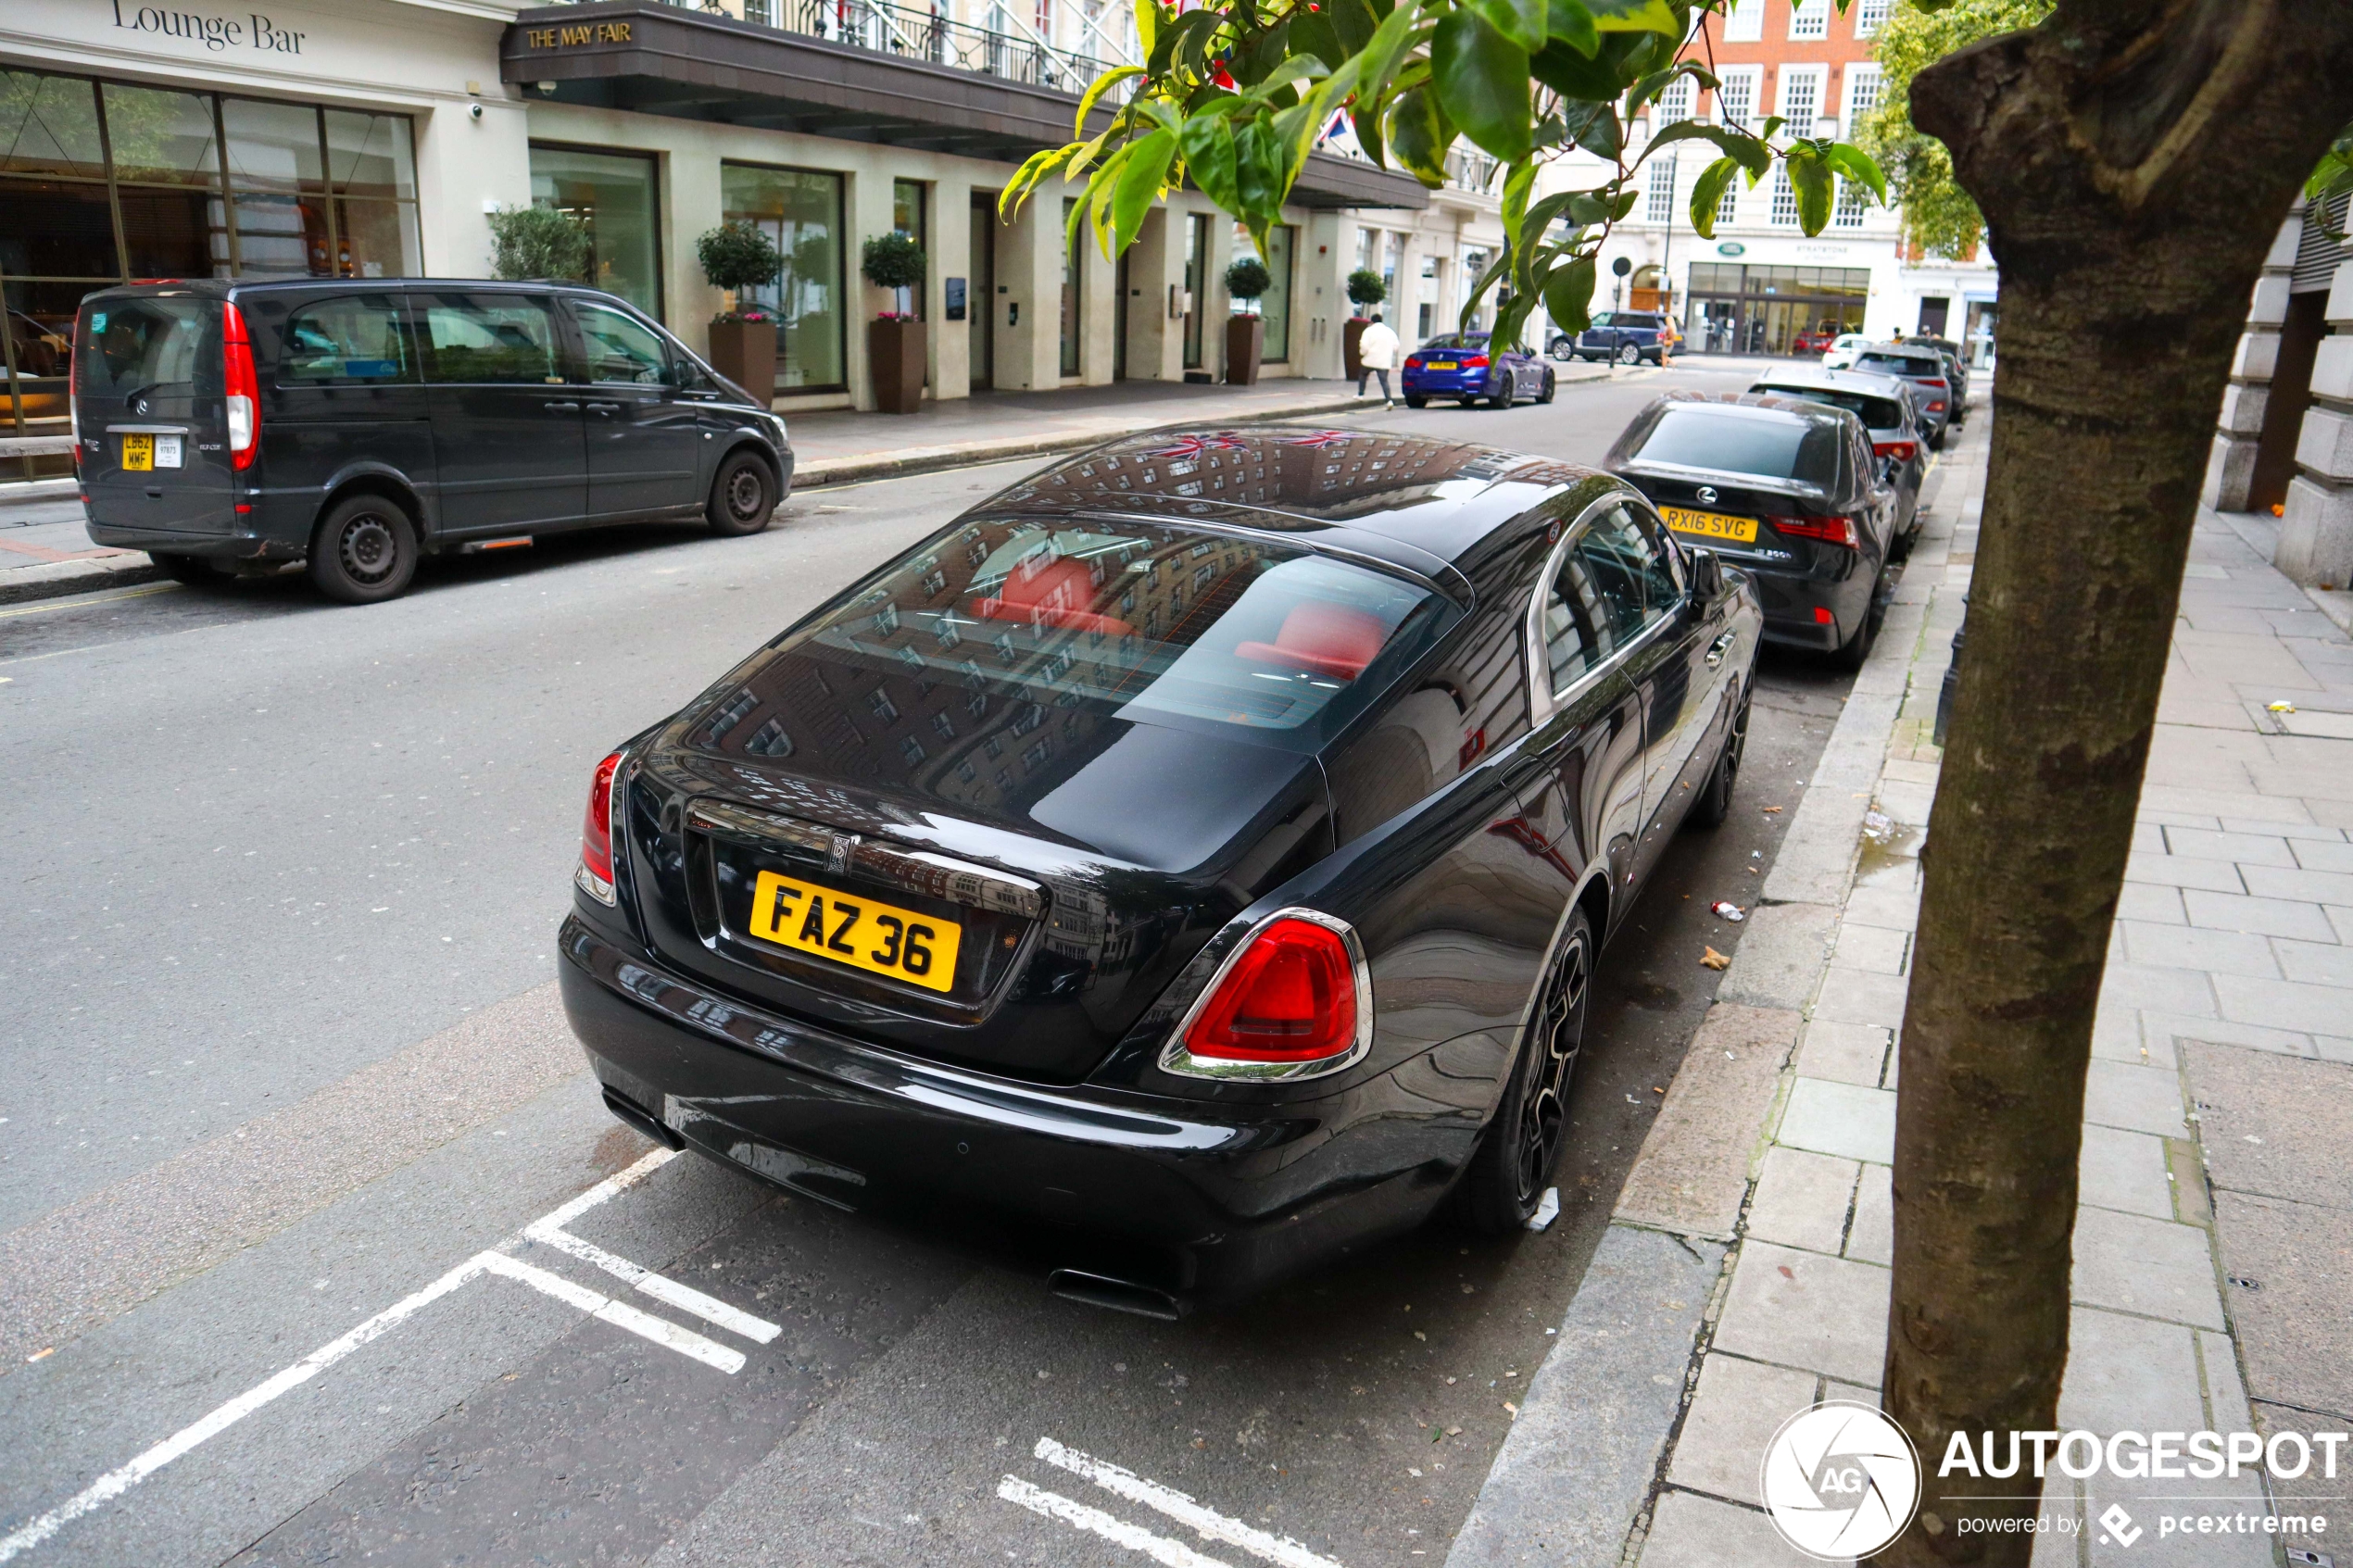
point(149, 408)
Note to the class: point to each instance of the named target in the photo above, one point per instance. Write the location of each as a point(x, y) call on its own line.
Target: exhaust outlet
point(1116, 1295)
point(644, 1121)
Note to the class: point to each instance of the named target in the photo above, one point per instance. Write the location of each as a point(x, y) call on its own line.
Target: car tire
point(364, 551)
point(1851, 654)
point(1936, 439)
point(1563, 352)
point(1628, 354)
point(197, 571)
point(742, 495)
point(1546, 395)
point(1515, 1161)
point(1714, 802)
point(1501, 396)
point(1415, 400)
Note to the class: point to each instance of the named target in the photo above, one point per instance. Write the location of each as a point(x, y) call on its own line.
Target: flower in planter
point(739, 256)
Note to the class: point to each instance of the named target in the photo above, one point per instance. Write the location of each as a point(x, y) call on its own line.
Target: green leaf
point(1636, 16)
point(1419, 133)
point(1354, 21)
point(1095, 91)
point(1479, 288)
point(1738, 145)
point(1809, 176)
point(1517, 185)
point(1482, 79)
point(1595, 127)
point(1568, 296)
point(1578, 78)
point(1313, 35)
point(1522, 22)
point(1208, 143)
point(1146, 25)
point(1032, 169)
point(1257, 165)
point(1569, 22)
point(1857, 164)
point(1140, 186)
point(1708, 194)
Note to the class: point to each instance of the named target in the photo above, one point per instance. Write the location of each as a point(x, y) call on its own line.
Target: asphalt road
point(284, 1053)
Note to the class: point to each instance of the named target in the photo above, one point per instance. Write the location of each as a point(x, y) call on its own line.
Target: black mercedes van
point(358, 424)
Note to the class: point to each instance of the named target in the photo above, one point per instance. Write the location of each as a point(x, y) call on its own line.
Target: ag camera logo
point(1840, 1480)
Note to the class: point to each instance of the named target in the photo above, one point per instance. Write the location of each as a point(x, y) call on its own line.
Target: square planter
point(1352, 338)
point(1245, 338)
point(745, 352)
point(895, 358)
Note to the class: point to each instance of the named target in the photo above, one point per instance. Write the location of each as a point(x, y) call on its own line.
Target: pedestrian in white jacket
point(1376, 351)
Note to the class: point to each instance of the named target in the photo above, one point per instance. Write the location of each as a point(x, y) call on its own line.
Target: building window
point(613, 195)
point(1736, 100)
point(1862, 94)
point(1801, 100)
point(1810, 18)
point(1728, 208)
point(1675, 103)
point(1869, 17)
point(1853, 195)
point(1744, 23)
point(1276, 305)
point(800, 211)
point(1659, 206)
point(909, 211)
point(1784, 210)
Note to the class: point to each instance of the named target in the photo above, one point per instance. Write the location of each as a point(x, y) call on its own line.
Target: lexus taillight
point(1835, 528)
point(243, 389)
point(1935, 384)
point(1936, 408)
point(1475, 362)
point(1901, 451)
point(1293, 1000)
point(595, 876)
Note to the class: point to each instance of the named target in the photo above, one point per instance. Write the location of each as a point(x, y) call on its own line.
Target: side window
point(1593, 604)
point(354, 340)
point(620, 348)
point(476, 338)
point(1662, 564)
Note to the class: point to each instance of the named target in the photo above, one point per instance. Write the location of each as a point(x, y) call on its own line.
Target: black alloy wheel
point(364, 552)
point(1851, 654)
point(1501, 397)
point(1514, 1162)
point(1546, 395)
point(1415, 400)
point(1714, 802)
point(743, 495)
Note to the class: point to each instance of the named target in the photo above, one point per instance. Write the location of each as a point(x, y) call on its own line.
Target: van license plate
point(138, 454)
point(852, 929)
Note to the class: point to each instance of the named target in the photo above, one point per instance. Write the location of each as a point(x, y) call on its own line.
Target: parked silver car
point(1890, 410)
point(1926, 369)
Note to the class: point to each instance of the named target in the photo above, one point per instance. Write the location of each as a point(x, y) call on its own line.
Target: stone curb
point(1568, 1473)
point(55, 578)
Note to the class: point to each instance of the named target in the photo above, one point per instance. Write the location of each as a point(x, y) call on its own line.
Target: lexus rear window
point(1772, 446)
point(128, 347)
point(1876, 412)
point(1162, 625)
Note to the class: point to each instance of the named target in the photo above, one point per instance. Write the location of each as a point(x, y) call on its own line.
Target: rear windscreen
point(1466, 342)
point(1876, 412)
point(128, 347)
point(1772, 446)
point(1157, 624)
point(1898, 364)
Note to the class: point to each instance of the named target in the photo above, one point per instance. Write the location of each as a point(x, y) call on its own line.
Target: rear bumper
point(1206, 1202)
point(243, 546)
point(1789, 600)
point(1445, 384)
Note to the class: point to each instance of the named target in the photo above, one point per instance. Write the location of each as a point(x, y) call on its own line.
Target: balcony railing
point(1014, 53)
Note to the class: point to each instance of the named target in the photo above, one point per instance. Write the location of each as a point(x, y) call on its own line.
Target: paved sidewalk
point(1746, 1273)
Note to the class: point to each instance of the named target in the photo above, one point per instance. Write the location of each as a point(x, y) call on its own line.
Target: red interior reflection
point(1329, 639)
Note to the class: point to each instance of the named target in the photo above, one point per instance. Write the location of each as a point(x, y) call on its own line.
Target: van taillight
point(1295, 999)
point(595, 875)
point(243, 388)
point(73, 390)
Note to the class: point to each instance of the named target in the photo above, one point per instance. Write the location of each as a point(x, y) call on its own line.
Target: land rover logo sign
point(1840, 1480)
point(1731, 247)
point(1706, 493)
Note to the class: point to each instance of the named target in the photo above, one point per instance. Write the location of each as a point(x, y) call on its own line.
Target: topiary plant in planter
point(1364, 291)
point(895, 346)
point(1247, 278)
point(738, 257)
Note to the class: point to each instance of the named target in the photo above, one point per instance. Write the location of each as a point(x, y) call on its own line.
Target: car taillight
point(1294, 1000)
point(1901, 451)
point(74, 391)
point(1935, 384)
point(595, 876)
point(243, 388)
point(1475, 362)
point(1415, 363)
point(1836, 529)
point(1936, 408)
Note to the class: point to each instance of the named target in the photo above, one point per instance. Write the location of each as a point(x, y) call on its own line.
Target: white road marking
point(760, 1330)
point(1052, 1505)
point(1212, 1525)
point(115, 1483)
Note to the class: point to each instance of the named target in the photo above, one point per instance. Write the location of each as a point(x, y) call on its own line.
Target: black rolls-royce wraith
point(1196, 855)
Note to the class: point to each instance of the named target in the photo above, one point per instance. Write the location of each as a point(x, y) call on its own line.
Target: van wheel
point(1514, 1164)
point(364, 552)
point(194, 570)
point(743, 496)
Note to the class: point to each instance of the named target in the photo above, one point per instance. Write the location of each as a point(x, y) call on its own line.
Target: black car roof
point(1763, 404)
point(221, 288)
point(1439, 500)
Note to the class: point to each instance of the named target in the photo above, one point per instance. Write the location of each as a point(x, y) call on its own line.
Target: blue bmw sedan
point(1463, 365)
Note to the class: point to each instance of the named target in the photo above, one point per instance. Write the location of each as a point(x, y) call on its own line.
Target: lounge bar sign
point(214, 33)
point(573, 37)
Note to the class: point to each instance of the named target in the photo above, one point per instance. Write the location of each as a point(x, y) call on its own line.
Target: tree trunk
point(2133, 162)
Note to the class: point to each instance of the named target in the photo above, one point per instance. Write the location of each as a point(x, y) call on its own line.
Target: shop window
point(162, 137)
point(49, 125)
point(613, 195)
point(800, 210)
point(1070, 301)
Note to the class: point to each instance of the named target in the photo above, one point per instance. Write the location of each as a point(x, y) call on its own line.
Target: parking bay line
point(1135, 1538)
point(115, 1483)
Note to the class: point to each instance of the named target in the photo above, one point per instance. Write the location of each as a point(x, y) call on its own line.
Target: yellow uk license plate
point(1441, 365)
point(1710, 525)
point(138, 454)
point(854, 929)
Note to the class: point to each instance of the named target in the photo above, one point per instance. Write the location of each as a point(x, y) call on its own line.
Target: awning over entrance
point(858, 70)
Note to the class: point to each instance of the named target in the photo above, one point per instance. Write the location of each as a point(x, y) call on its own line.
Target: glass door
point(1196, 249)
point(980, 312)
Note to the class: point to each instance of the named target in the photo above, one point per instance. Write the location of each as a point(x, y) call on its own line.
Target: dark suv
point(359, 424)
point(1630, 337)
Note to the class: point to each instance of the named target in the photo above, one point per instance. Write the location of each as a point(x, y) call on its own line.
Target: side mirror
point(1708, 576)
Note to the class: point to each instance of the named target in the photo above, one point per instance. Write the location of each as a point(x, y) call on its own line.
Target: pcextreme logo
point(1840, 1480)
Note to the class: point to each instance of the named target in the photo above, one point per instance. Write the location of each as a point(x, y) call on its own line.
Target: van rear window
point(126, 348)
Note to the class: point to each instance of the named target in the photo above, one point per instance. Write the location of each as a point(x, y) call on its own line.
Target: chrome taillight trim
point(1175, 1059)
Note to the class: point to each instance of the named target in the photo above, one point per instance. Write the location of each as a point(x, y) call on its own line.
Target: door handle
point(1719, 647)
point(562, 408)
point(608, 410)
